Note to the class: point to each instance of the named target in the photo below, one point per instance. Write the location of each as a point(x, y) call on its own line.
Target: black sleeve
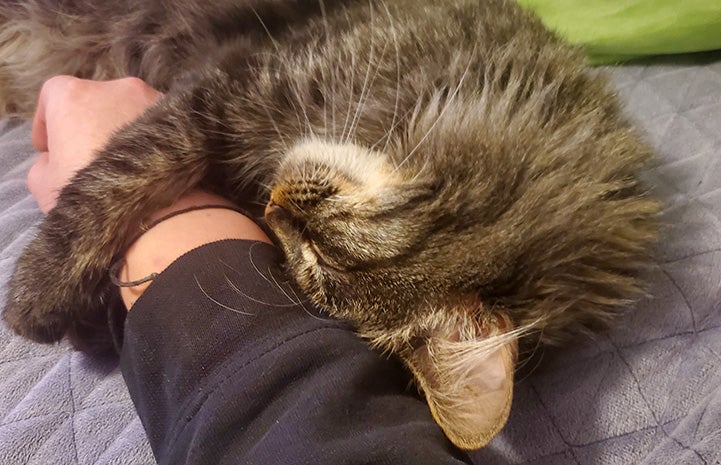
point(226, 366)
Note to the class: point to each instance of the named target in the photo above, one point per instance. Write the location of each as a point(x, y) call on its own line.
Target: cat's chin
point(283, 226)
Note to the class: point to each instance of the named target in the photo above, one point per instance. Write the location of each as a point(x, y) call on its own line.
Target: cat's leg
point(61, 280)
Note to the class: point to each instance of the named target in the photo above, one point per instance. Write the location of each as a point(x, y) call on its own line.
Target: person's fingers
point(39, 131)
point(38, 181)
point(49, 91)
point(37, 172)
point(75, 118)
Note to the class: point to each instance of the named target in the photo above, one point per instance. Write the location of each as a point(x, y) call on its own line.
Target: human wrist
point(198, 218)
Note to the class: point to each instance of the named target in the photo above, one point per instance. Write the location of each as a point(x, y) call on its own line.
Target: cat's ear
point(467, 378)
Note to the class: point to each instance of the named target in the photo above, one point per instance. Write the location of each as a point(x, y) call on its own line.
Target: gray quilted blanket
point(647, 393)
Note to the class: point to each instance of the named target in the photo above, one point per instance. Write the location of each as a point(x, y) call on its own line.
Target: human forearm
point(162, 244)
point(227, 364)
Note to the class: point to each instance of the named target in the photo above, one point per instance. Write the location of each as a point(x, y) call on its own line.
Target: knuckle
point(138, 88)
point(32, 177)
point(61, 81)
point(74, 86)
point(133, 84)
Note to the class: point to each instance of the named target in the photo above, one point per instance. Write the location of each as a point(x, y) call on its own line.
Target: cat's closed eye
point(323, 259)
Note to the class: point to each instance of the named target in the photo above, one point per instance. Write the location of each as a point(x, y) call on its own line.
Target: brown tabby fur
point(433, 165)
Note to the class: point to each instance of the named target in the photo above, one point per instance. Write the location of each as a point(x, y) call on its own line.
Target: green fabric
point(619, 30)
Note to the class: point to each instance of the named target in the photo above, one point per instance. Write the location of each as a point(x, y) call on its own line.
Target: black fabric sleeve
point(226, 365)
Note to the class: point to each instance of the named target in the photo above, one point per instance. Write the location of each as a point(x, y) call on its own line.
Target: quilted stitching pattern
point(649, 393)
point(56, 406)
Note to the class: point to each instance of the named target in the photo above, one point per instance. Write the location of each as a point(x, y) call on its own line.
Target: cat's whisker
point(268, 187)
point(371, 55)
point(324, 90)
point(334, 199)
point(232, 134)
point(527, 358)
point(215, 301)
point(410, 115)
point(421, 171)
point(297, 206)
point(351, 96)
point(252, 263)
point(237, 290)
point(308, 124)
point(364, 98)
point(440, 115)
point(279, 59)
point(267, 109)
point(319, 175)
point(300, 128)
point(308, 312)
point(267, 31)
point(351, 81)
point(394, 34)
point(367, 83)
point(217, 122)
point(272, 282)
point(399, 121)
point(531, 356)
point(258, 203)
point(285, 293)
point(305, 228)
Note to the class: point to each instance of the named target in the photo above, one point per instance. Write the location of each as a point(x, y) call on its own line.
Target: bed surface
point(647, 393)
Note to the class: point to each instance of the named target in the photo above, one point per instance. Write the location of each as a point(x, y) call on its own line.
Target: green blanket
point(618, 30)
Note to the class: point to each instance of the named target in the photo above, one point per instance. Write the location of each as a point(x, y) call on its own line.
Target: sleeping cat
point(446, 175)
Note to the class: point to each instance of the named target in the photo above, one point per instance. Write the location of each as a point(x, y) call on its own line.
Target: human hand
point(74, 118)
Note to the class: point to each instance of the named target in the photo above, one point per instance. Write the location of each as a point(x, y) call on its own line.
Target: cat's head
point(379, 246)
point(365, 240)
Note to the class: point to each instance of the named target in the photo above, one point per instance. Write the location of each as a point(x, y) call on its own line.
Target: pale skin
point(75, 117)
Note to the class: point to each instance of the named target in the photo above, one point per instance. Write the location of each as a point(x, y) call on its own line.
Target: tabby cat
point(446, 175)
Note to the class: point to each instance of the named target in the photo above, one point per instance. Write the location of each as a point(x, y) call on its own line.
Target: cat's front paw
point(52, 285)
point(36, 306)
point(29, 315)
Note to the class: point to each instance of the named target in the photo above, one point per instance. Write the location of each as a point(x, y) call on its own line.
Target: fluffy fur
point(430, 167)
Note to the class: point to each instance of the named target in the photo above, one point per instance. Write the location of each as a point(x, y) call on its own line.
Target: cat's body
point(439, 171)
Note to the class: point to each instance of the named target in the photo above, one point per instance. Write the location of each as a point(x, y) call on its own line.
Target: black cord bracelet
point(118, 263)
